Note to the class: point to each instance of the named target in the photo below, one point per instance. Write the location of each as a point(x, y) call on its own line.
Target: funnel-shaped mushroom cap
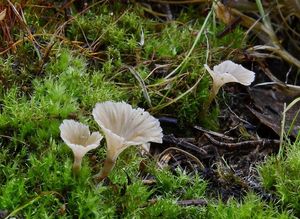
point(124, 126)
point(229, 71)
point(77, 136)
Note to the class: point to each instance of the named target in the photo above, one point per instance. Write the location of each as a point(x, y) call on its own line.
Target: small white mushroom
point(226, 72)
point(229, 71)
point(124, 126)
point(77, 137)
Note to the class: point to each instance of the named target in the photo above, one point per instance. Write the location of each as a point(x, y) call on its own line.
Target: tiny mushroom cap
point(124, 126)
point(229, 71)
point(78, 137)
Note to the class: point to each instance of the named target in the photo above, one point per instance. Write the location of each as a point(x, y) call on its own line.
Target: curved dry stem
point(266, 27)
point(141, 82)
point(280, 52)
point(185, 153)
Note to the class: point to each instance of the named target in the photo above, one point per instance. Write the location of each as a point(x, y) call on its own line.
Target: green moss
point(234, 39)
point(166, 44)
point(105, 29)
point(251, 207)
point(134, 200)
point(67, 90)
point(88, 87)
point(181, 185)
point(7, 73)
point(12, 193)
point(163, 208)
point(167, 208)
point(268, 172)
point(281, 176)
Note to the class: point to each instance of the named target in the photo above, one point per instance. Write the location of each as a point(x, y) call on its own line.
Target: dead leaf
point(2, 14)
point(269, 102)
point(223, 13)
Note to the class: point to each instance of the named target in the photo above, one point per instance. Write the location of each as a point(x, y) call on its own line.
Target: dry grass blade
point(161, 106)
point(292, 104)
point(263, 30)
point(220, 135)
point(193, 46)
point(192, 157)
point(141, 82)
point(22, 21)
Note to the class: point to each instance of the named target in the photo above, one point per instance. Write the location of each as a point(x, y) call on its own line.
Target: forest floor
point(233, 156)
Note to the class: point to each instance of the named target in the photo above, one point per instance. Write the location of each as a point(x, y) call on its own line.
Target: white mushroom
point(226, 72)
point(229, 71)
point(77, 136)
point(124, 126)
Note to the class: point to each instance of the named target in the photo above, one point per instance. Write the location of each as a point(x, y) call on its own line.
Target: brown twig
point(184, 203)
point(194, 202)
point(180, 143)
point(14, 139)
point(243, 144)
point(213, 133)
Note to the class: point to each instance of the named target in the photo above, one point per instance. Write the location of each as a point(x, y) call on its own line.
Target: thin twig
point(184, 144)
point(194, 202)
point(14, 139)
point(243, 144)
point(214, 133)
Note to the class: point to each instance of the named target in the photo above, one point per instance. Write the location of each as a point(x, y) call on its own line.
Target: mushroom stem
point(107, 167)
point(212, 95)
point(77, 165)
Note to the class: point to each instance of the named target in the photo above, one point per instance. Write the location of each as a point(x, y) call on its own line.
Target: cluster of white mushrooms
point(122, 127)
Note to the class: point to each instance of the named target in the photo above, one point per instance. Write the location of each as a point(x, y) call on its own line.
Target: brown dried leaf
point(269, 101)
point(223, 13)
point(2, 14)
